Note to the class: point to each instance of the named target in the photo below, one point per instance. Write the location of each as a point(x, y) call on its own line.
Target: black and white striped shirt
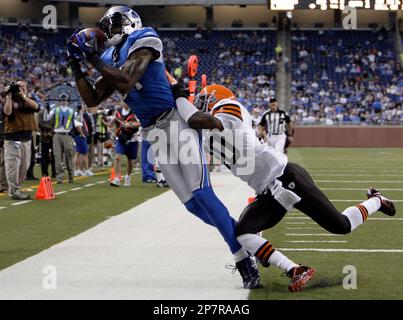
point(274, 122)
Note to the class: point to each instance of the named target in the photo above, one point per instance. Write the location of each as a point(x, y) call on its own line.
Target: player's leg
point(316, 205)
point(169, 165)
point(264, 213)
point(195, 171)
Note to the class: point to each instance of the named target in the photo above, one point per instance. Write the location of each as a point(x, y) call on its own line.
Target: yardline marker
point(89, 185)
point(20, 202)
point(343, 250)
point(312, 234)
point(300, 222)
point(316, 241)
point(305, 228)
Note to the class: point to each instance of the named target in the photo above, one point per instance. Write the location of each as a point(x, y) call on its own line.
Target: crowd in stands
point(344, 77)
point(338, 77)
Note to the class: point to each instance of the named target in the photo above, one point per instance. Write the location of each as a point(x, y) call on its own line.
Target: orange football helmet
point(210, 95)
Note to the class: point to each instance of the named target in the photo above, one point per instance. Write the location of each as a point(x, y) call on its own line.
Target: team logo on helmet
point(119, 21)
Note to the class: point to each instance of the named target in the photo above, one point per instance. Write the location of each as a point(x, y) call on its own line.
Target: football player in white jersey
point(279, 185)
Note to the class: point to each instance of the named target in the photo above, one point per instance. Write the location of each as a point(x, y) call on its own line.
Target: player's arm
point(261, 128)
point(92, 95)
point(124, 79)
point(195, 118)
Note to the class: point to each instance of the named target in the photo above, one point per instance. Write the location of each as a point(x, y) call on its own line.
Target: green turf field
point(344, 174)
point(28, 228)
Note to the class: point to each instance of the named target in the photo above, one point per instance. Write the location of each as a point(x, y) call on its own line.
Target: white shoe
point(115, 182)
point(127, 181)
point(88, 173)
point(78, 173)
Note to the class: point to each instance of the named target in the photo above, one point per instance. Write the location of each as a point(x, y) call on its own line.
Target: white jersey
point(256, 163)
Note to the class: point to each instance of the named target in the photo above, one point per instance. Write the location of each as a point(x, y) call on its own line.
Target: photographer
point(19, 123)
point(126, 143)
point(3, 180)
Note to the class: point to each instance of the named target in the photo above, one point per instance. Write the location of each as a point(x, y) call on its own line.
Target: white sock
point(359, 213)
point(263, 250)
point(158, 174)
point(240, 255)
point(279, 260)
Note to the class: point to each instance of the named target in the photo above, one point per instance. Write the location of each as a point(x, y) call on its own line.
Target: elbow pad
point(185, 108)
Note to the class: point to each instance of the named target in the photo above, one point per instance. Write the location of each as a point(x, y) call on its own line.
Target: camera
point(14, 89)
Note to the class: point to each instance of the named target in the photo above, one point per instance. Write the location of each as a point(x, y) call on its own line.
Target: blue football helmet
point(119, 17)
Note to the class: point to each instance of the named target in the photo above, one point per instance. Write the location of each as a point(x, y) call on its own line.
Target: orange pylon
point(45, 190)
point(113, 175)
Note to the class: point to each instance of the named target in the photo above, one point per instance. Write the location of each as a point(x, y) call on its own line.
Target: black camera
point(14, 89)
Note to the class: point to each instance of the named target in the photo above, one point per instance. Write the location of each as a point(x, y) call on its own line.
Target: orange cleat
point(299, 277)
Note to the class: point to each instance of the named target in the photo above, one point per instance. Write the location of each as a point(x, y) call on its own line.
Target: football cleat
point(249, 273)
point(387, 206)
point(162, 184)
point(299, 277)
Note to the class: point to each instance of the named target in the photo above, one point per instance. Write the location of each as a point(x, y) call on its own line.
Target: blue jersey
point(152, 95)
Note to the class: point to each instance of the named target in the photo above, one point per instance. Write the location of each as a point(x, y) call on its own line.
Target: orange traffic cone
point(251, 199)
point(113, 175)
point(45, 190)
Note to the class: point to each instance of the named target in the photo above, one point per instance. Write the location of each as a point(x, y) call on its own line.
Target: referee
point(276, 127)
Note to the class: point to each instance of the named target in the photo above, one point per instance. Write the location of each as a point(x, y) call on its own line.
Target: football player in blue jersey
point(133, 65)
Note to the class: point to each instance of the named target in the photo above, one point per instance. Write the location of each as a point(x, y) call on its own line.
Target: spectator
point(19, 123)
point(46, 140)
point(63, 143)
point(80, 134)
point(3, 179)
point(126, 143)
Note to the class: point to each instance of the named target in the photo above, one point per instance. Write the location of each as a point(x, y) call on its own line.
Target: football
point(99, 34)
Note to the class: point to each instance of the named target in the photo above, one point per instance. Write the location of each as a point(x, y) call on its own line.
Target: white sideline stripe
point(360, 189)
point(100, 182)
point(21, 202)
point(312, 234)
point(60, 192)
point(89, 185)
point(360, 181)
point(343, 250)
point(107, 261)
point(316, 241)
point(75, 189)
point(2, 208)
